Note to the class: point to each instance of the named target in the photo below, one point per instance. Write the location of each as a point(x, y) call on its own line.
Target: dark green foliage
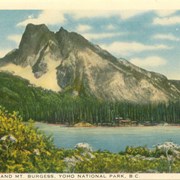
point(107, 162)
point(23, 148)
point(45, 105)
point(144, 151)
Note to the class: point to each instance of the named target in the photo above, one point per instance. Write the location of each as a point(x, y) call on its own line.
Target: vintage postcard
point(89, 90)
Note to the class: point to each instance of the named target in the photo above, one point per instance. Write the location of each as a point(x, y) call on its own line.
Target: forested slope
point(48, 106)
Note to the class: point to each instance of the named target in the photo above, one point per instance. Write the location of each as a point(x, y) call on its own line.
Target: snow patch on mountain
point(48, 81)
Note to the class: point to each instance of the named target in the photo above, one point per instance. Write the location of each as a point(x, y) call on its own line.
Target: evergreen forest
point(25, 149)
point(17, 94)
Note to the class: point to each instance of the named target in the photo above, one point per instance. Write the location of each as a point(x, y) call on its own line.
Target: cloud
point(173, 75)
point(167, 21)
point(15, 38)
point(169, 37)
point(49, 17)
point(126, 14)
point(53, 17)
point(152, 61)
point(83, 28)
point(165, 13)
point(96, 36)
point(123, 14)
point(3, 52)
point(110, 27)
point(127, 48)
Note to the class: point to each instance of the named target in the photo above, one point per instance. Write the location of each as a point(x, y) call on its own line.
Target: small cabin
point(147, 123)
point(125, 122)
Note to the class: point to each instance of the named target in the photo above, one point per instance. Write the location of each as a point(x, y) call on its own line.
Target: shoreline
point(127, 126)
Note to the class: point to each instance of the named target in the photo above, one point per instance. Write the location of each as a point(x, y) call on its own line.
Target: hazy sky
point(149, 39)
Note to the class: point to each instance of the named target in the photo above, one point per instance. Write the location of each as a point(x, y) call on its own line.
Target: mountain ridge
point(67, 62)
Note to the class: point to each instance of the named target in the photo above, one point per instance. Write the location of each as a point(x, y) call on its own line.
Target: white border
point(89, 176)
point(92, 5)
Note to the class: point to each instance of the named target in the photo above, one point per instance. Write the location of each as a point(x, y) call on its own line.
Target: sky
point(149, 39)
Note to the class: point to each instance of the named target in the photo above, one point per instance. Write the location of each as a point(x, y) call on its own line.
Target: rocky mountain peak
point(32, 27)
point(33, 33)
point(62, 30)
point(71, 39)
point(34, 39)
point(67, 62)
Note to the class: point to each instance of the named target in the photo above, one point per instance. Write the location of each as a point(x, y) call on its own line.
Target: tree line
point(48, 106)
point(26, 149)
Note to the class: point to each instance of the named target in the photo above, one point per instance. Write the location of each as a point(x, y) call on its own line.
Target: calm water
point(112, 139)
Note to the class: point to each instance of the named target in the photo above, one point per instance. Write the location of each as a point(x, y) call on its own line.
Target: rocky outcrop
point(67, 62)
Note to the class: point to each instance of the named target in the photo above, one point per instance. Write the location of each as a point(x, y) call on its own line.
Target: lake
point(110, 138)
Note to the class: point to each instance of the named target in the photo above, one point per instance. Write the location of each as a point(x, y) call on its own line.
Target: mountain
point(176, 83)
point(68, 63)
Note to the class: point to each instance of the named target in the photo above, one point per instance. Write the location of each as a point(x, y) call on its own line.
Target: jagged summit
point(67, 62)
point(62, 30)
point(32, 27)
point(72, 39)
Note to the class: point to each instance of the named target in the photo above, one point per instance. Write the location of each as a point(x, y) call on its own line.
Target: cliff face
point(67, 62)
